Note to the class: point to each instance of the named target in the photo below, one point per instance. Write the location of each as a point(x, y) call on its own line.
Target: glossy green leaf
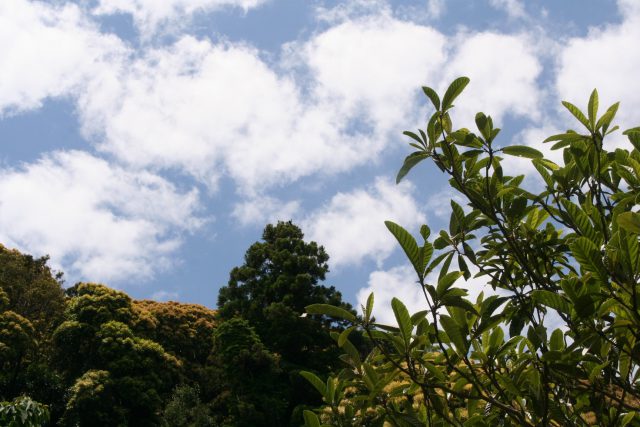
point(593, 109)
point(310, 419)
point(454, 332)
point(316, 382)
point(577, 113)
point(552, 300)
point(630, 221)
point(402, 318)
point(408, 245)
point(330, 310)
point(369, 307)
point(522, 151)
point(433, 96)
point(409, 162)
point(454, 89)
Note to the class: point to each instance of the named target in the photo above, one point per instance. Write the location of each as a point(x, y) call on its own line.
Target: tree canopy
point(555, 341)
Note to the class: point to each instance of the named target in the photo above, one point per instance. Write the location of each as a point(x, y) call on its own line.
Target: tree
point(280, 276)
point(250, 392)
point(185, 409)
point(34, 291)
point(557, 344)
point(111, 370)
point(184, 330)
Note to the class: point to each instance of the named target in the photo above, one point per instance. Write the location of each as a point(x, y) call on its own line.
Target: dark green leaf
point(551, 299)
point(315, 381)
point(409, 162)
point(630, 221)
point(330, 310)
point(310, 419)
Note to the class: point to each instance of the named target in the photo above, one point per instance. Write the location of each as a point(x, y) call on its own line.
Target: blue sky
point(146, 144)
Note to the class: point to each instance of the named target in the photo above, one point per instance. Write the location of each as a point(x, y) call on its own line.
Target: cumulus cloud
point(375, 66)
point(264, 209)
point(151, 15)
point(401, 282)
point(398, 282)
point(98, 222)
point(503, 70)
point(213, 109)
point(513, 8)
point(209, 109)
point(351, 226)
point(47, 51)
point(605, 59)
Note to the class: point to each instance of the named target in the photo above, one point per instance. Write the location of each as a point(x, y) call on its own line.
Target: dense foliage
point(556, 342)
point(91, 355)
point(281, 275)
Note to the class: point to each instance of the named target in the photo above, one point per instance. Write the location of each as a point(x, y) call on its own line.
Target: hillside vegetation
point(89, 355)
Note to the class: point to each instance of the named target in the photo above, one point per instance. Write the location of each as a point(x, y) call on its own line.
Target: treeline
point(96, 357)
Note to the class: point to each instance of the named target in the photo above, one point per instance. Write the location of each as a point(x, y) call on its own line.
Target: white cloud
point(513, 8)
point(210, 109)
point(97, 222)
point(436, 8)
point(48, 51)
point(503, 70)
point(151, 15)
point(264, 209)
point(401, 282)
point(375, 65)
point(608, 60)
point(351, 226)
point(353, 9)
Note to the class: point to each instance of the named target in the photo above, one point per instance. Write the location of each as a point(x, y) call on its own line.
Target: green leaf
point(454, 332)
point(454, 89)
point(552, 300)
point(310, 419)
point(522, 151)
point(403, 318)
point(556, 343)
point(344, 335)
point(408, 245)
point(414, 137)
point(446, 281)
point(409, 162)
point(315, 381)
point(330, 310)
point(589, 257)
point(607, 117)
point(630, 221)
point(627, 418)
point(433, 96)
point(457, 301)
point(369, 307)
point(577, 113)
point(580, 220)
point(593, 109)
